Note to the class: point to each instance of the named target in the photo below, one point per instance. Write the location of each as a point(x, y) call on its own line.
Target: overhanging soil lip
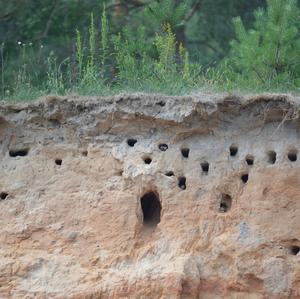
point(167, 108)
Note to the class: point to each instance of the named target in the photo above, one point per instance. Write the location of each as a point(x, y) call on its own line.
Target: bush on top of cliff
point(268, 53)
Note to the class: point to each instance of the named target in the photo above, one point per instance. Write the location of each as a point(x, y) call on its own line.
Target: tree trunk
point(120, 14)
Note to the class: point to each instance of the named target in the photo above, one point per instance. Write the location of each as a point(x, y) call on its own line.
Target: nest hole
point(131, 142)
point(19, 153)
point(205, 167)
point(185, 152)
point(147, 160)
point(182, 183)
point(225, 203)
point(233, 150)
point(169, 173)
point(151, 209)
point(294, 250)
point(245, 178)
point(250, 160)
point(292, 156)
point(272, 156)
point(161, 103)
point(58, 162)
point(163, 147)
point(3, 195)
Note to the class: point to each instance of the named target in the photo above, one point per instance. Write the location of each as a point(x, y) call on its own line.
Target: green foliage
point(165, 45)
point(54, 81)
point(186, 72)
point(269, 53)
point(210, 29)
point(90, 69)
point(104, 46)
point(125, 62)
point(158, 56)
point(79, 53)
point(167, 12)
point(91, 74)
point(150, 67)
point(2, 70)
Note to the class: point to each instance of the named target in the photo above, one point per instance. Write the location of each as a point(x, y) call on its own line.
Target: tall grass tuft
point(104, 44)
point(79, 54)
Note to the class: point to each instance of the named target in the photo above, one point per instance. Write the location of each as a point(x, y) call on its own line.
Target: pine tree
point(269, 53)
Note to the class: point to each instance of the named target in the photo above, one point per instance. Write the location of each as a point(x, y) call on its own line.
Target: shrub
point(268, 54)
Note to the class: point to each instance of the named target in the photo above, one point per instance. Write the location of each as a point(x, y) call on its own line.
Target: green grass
point(109, 64)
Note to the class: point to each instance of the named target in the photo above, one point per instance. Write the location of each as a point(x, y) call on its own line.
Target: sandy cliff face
point(150, 197)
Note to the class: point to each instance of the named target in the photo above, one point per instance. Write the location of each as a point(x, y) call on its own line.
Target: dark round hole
point(225, 203)
point(185, 152)
point(147, 160)
point(250, 160)
point(84, 153)
point(205, 167)
point(3, 195)
point(131, 142)
point(182, 183)
point(169, 173)
point(245, 178)
point(151, 209)
point(161, 103)
point(292, 155)
point(294, 250)
point(18, 153)
point(163, 147)
point(58, 161)
point(233, 150)
point(271, 157)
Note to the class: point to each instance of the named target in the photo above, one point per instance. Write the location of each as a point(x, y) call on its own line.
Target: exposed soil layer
point(123, 197)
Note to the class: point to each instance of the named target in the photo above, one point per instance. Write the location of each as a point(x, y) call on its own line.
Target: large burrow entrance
point(225, 203)
point(151, 209)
